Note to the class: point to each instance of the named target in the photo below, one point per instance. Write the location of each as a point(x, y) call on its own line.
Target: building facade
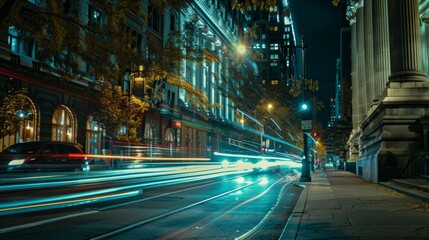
point(61, 108)
point(390, 89)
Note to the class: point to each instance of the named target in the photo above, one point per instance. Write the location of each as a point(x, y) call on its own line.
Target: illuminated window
point(273, 9)
point(274, 64)
point(274, 56)
point(264, 36)
point(18, 43)
point(63, 125)
point(94, 16)
point(274, 46)
point(274, 82)
point(264, 81)
point(13, 39)
point(93, 136)
point(264, 45)
point(169, 137)
point(28, 121)
point(148, 131)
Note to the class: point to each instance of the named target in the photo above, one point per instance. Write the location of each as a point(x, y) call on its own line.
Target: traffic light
point(304, 107)
point(305, 111)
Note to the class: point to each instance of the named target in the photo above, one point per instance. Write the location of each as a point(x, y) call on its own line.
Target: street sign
point(306, 125)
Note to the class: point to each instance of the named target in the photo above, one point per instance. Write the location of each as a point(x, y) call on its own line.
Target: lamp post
point(135, 79)
point(306, 123)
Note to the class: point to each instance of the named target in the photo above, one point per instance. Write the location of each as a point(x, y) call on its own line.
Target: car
point(44, 155)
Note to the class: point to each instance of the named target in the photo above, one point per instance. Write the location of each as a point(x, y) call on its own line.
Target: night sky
point(319, 20)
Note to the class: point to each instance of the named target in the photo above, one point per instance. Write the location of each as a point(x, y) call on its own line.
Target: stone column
point(405, 58)
point(356, 94)
point(369, 53)
point(363, 105)
point(381, 45)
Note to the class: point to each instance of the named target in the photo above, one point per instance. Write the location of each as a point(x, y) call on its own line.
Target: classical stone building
point(390, 88)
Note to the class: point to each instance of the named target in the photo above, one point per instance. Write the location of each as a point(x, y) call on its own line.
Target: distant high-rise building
point(275, 43)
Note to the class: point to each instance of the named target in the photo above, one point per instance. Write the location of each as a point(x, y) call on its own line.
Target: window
point(274, 64)
point(66, 6)
point(94, 16)
point(172, 22)
point(93, 136)
point(65, 148)
point(13, 39)
point(169, 137)
point(274, 56)
point(264, 36)
point(49, 149)
point(148, 132)
point(274, 46)
point(18, 44)
point(264, 45)
point(63, 125)
point(274, 82)
point(155, 19)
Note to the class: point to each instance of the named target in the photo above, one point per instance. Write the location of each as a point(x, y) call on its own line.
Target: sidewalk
point(344, 206)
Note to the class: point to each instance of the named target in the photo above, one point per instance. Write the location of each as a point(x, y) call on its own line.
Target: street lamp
point(241, 49)
point(135, 79)
point(306, 123)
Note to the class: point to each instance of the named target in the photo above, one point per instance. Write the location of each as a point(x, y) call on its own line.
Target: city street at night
point(225, 204)
point(214, 119)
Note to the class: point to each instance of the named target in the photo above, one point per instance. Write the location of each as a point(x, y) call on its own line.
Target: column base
point(406, 76)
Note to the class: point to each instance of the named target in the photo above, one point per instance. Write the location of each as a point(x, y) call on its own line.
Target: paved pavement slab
point(341, 205)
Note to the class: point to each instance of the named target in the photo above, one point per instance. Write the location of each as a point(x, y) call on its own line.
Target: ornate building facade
point(390, 89)
point(61, 109)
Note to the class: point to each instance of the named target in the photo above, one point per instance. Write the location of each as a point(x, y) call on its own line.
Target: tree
point(114, 110)
point(261, 4)
point(337, 137)
point(10, 107)
point(69, 45)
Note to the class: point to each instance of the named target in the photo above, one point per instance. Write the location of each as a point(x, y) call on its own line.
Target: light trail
point(187, 159)
point(152, 172)
point(91, 196)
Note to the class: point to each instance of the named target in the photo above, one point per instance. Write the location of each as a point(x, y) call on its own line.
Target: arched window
point(63, 125)
point(93, 136)
point(27, 130)
point(26, 116)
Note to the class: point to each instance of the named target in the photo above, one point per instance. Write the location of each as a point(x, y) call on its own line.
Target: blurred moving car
point(43, 155)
